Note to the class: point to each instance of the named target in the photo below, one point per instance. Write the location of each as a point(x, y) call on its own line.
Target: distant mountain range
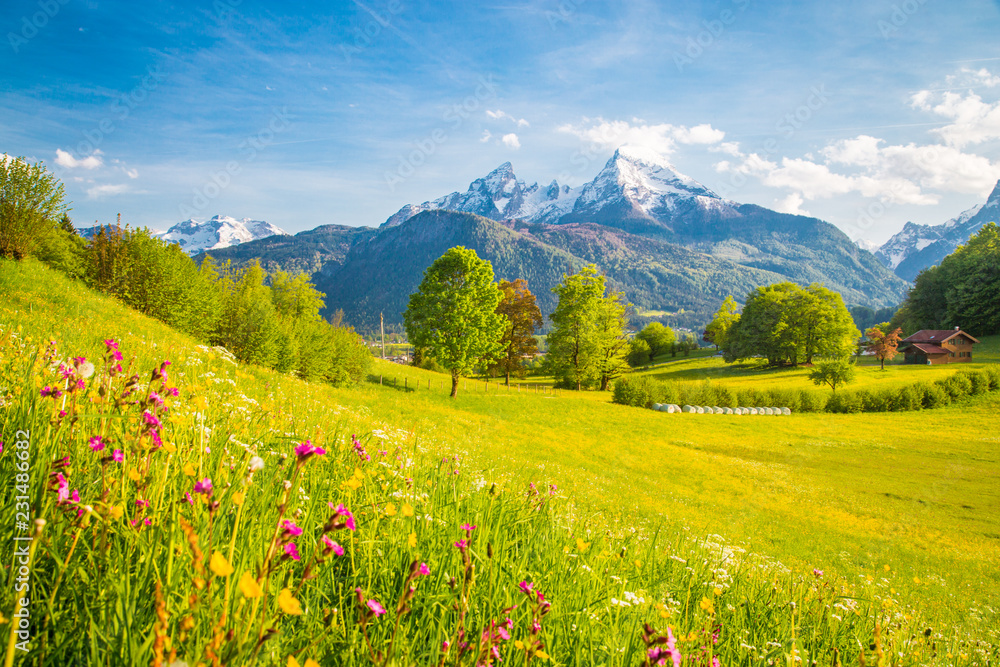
point(918, 247)
point(220, 231)
point(671, 244)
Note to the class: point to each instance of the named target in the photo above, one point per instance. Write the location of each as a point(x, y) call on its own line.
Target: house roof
point(927, 348)
point(935, 336)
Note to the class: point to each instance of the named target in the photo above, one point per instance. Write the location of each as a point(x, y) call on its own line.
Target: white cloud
point(511, 141)
point(132, 173)
point(503, 115)
point(790, 204)
point(64, 159)
point(811, 180)
point(102, 191)
point(861, 151)
point(662, 138)
point(486, 136)
point(973, 121)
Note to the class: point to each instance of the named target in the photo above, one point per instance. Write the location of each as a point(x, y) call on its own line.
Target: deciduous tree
point(658, 337)
point(520, 308)
point(452, 315)
point(883, 345)
point(835, 372)
point(725, 317)
point(31, 202)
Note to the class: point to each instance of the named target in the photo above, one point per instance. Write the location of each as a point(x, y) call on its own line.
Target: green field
point(906, 503)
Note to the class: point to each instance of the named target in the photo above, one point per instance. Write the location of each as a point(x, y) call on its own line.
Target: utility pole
point(381, 324)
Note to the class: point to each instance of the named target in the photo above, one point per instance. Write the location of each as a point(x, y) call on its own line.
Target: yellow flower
point(134, 475)
point(390, 510)
point(219, 565)
point(581, 545)
point(238, 498)
point(358, 474)
point(886, 568)
point(352, 484)
point(311, 663)
point(916, 580)
point(288, 603)
point(200, 402)
point(292, 662)
point(519, 644)
point(249, 586)
point(406, 509)
point(717, 591)
point(116, 512)
point(169, 447)
point(707, 605)
point(412, 540)
point(541, 654)
point(189, 470)
point(638, 563)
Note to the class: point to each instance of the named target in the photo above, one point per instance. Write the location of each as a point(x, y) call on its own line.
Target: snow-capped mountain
point(635, 183)
point(865, 244)
point(498, 196)
point(221, 231)
point(917, 247)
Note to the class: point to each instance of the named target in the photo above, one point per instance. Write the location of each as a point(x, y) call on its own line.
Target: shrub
point(957, 386)
point(933, 395)
point(979, 381)
point(811, 401)
point(635, 391)
point(907, 398)
point(750, 398)
point(845, 402)
point(993, 377)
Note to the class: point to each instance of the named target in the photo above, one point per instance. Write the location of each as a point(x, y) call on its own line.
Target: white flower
point(256, 463)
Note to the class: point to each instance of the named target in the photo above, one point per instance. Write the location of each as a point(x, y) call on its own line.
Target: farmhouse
point(938, 346)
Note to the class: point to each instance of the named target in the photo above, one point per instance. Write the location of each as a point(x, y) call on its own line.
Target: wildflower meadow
point(182, 509)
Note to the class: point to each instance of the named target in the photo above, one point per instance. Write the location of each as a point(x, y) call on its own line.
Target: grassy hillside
point(899, 511)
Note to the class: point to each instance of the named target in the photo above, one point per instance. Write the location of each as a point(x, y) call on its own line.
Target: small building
point(938, 346)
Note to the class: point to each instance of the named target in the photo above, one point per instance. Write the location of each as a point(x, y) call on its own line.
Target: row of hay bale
point(716, 410)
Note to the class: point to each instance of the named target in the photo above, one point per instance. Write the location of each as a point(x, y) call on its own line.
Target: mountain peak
point(642, 155)
point(219, 231)
point(994, 198)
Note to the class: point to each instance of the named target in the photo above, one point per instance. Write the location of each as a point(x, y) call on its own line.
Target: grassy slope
point(850, 493)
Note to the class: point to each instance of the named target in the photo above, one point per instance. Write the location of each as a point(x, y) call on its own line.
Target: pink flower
point(445, 645)
point(462, 545)
point(292, 551)
point(291, 528)
point(424, 570)
point(96, 443)
point(187, 496)
point(526, 587)
point(376, 607)
point(142, 503)
point(117, 456)
point(467, 527)
point(307, 449)
point(818, 573)
point(151, 420)
point(75, 496)
point(204, 486)
point(330, 545)
point(340, 510)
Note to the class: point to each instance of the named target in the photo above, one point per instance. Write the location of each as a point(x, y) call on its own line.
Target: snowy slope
point(635, 180)
point(221, 231)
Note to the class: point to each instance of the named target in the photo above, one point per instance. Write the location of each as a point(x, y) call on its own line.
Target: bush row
point(642, 391)
point(919, 395)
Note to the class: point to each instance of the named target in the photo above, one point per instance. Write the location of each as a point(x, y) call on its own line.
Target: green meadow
point(899, 511)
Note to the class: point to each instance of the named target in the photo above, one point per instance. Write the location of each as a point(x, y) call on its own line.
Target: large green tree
point(658, 337)
point(725, 317)
point(587, 345)
point(452, 315)
point(31, 203)
point(519, 307)
point(787, 324)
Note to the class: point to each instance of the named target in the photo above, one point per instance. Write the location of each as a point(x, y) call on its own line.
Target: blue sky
point(866, 114)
